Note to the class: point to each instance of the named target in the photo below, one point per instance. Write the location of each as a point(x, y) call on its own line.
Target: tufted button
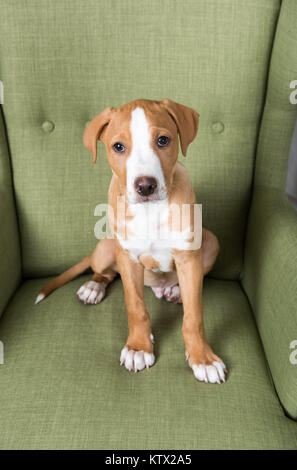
point(218, 127)
point(48, 126)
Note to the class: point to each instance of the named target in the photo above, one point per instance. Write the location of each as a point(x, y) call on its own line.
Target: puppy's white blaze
point(149, 234)
point(142, 160)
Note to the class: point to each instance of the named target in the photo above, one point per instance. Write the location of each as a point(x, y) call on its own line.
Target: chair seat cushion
point(61, 384)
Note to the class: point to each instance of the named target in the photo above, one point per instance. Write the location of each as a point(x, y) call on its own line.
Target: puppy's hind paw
point(91, 292)
point(170, 292)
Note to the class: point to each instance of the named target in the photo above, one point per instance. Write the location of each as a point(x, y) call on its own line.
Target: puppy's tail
point(65, 277)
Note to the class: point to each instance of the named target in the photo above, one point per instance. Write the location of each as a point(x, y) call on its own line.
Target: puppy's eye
point(163, 141)
point(118, 147)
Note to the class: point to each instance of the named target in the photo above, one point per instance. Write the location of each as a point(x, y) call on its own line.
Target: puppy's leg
point(210, 250)
point(206, 365)
point(138, 350)
point(103, 263)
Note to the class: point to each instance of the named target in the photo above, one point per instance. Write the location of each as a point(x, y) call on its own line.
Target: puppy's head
point(141, 140)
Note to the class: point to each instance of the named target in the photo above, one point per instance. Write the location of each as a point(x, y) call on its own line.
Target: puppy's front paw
point(136, 360)
point(91, 292)
point(215, 373)
point(212, 370)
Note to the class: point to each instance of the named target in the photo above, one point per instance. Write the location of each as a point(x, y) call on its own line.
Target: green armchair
point(61, 63)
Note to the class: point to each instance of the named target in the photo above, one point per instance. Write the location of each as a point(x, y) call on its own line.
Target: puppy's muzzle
point(145, 185)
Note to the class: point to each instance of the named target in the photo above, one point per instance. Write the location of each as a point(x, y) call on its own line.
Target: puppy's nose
point(145, 185)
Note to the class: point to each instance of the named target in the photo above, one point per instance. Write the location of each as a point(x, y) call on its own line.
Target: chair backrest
point(63, 62)
point(280, 111)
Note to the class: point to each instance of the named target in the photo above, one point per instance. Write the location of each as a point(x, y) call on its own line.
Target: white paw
point(214, 373)
point(158, 291)
point(136, 360)
point(92, 292)
point(170, 292)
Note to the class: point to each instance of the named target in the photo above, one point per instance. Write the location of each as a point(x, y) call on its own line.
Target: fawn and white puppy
point(142, 141)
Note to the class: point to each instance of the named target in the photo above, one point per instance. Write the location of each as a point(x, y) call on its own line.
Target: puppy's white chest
point(147, 234)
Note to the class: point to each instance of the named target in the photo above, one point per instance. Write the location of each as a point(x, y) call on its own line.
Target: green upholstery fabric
point(62, 62)
point(270, 281)
point(280, 114)
point(10, 265)
point(270, 263)
point(62, 385)
point(66, 61)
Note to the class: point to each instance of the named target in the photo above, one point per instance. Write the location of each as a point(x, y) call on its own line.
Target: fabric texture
point(62, 385)
point(270, 262)
point(64, 62)
point(280, 114)
point(10, 265)
point(270, 281)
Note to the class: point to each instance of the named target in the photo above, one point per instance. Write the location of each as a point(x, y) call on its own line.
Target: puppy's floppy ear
point(94, 130)
point(186, 119)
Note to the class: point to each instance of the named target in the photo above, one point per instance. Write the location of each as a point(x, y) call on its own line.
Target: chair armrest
point(270, 282)
point(10, 260)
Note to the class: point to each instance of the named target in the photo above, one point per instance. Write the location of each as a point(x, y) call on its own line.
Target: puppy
point(149, 187)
